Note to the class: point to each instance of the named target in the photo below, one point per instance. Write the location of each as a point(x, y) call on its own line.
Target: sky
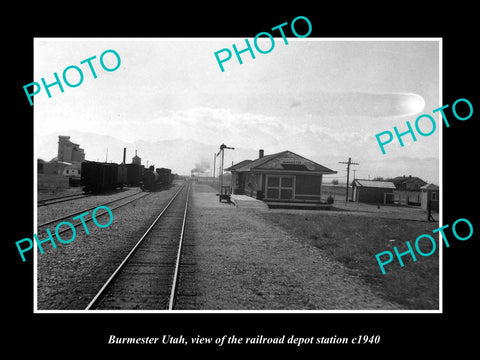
point(324, 99)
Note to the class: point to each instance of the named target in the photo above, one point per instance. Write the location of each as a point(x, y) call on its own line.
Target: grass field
point(354, 240)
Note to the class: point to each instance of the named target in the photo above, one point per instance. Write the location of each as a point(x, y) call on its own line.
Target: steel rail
point(45, 202)
point(94, 302)
point(93, 207)
point(103, 213)
point(179, 255)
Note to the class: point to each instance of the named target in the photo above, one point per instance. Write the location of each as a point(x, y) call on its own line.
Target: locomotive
point(157, 179)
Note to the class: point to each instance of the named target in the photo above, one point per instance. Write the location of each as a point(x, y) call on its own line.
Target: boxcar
point(134, 174)
point(97, 177)
point(121, 175)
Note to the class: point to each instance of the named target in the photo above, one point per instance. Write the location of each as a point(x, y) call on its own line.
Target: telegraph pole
point(354, 170)
point(214, 161)
point(348, 174)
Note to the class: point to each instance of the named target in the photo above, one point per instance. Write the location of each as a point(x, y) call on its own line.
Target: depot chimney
point(260, 153)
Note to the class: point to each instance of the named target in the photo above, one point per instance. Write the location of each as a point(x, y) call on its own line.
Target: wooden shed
point(372, 191)
point(430, 192)
point(280, 177)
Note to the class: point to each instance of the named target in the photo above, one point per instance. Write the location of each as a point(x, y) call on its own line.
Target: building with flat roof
point(372, 191)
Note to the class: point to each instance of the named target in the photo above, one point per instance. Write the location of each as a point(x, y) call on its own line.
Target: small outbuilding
point(372, 191)
point(281, 177)
point(430, 192)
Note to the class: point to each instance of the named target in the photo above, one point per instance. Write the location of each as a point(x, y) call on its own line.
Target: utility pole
point(354, 170)
point(214, 161)
point(348, 174)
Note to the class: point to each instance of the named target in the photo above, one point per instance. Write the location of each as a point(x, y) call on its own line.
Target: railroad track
point(148, 276)
point(87, 219)
point(59, 199)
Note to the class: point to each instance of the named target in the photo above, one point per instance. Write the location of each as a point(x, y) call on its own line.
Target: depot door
point(280, 187)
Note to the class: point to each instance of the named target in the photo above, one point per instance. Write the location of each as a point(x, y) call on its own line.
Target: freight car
point(166, 177)
point(97, 177)
point(134, 174)
point(156, 180)
point(122, 174)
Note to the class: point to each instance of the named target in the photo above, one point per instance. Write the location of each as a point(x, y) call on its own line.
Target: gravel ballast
point(70, 275)
point(233, 260)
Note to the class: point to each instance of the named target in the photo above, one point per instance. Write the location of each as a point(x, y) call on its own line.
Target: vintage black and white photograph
point(212, 175)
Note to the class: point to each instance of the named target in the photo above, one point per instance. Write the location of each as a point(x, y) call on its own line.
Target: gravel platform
point(243, 263)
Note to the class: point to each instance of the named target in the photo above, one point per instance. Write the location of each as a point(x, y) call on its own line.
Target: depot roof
point(285, 160)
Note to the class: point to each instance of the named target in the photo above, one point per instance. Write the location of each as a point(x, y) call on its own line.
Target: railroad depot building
point(280, 177)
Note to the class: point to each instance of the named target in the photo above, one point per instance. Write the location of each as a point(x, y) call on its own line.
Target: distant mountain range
point(181, 156)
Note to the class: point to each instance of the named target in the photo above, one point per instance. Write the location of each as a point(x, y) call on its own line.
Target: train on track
point(97, 177)
point(157, 179)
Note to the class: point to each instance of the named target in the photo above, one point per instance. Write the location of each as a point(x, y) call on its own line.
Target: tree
point(335, 182)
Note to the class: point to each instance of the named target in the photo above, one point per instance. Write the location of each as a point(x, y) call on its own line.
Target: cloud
point(369, 104)
point(253, 130)
point(295, 103)
point(217, 125)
